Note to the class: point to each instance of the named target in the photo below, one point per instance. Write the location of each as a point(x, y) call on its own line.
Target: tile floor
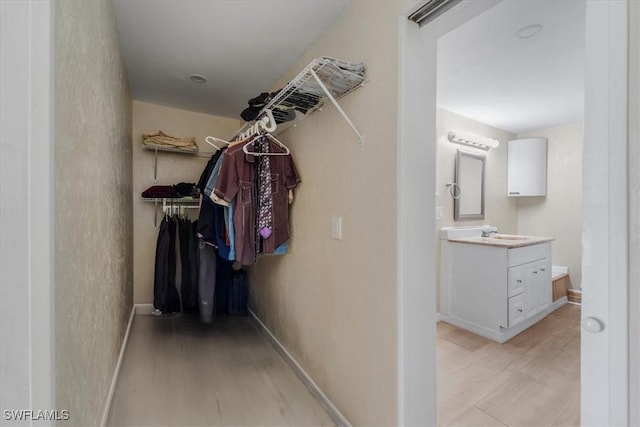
point(531, 380)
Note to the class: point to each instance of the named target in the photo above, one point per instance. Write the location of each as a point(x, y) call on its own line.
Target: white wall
point(93, 215)
point(559, 214)
point(172, 169)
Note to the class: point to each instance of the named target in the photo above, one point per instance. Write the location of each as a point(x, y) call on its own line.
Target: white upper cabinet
point(527, 167)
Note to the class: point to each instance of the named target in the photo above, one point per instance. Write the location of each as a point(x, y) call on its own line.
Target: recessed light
point(528, 31)
point(198, 78)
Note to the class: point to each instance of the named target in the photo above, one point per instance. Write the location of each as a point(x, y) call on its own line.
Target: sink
point(509, 237)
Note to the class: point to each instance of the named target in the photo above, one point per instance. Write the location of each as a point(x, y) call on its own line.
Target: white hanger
point(211, 139)
point(270, 124)
point(266, 123)
point(272, 138)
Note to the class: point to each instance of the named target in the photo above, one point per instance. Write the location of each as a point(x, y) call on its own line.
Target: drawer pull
point(535, 272)
point(519, 310)
point(542, 269)
point(519, 281)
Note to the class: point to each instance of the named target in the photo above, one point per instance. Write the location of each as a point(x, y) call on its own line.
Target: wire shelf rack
point(323, 79)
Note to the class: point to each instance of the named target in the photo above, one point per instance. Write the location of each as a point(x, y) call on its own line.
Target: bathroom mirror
point(469, 204)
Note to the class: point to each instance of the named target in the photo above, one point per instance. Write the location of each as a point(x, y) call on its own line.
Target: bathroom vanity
point(495, 286)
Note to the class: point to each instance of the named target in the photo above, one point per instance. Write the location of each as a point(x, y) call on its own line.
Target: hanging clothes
point(206, 280)
point(175, 285)
point(238, 184)
point(206, 222)
point(165, 294)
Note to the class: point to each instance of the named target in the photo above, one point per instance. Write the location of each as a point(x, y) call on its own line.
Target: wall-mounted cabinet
point(527, 167)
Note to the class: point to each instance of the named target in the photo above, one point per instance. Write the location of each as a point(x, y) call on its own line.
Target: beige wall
point(500, 210)
point(332, 303)
point(559, 214)
point(92, 199)
point(172, 169)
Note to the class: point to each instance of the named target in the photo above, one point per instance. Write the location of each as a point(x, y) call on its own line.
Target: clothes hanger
point(272, 138)
point(211, 139)
point(266, 123)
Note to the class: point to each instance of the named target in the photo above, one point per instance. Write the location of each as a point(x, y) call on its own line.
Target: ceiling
point(488, 74)
point(242, 47)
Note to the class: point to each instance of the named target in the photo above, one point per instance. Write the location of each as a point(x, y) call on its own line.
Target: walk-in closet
point(240, 161)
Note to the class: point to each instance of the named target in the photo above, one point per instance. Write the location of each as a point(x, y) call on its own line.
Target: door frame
point(605, 227)
point(26, 218)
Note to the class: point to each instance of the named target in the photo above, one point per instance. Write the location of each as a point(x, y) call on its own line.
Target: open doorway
point(515, 85)
point(604, 380)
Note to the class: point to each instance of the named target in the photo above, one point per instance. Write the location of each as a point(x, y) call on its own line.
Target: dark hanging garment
point(165, 295)
point(206, 280)
point(206, 226)
point(238, 294)
point(171, 294)
point(177, 253)
point(186, 290)
point(224, 274)
point(161, 273)
point(194, 262)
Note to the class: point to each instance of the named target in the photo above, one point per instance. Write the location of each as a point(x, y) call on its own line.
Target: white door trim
point(605, 283)
point(27, 331)
point(417, 402)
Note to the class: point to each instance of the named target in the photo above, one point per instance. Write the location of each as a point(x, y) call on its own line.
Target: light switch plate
point(439, 213)
point(336, 227)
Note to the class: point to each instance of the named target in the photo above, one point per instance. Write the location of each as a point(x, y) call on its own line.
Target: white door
point(605, 369)
point(605, 364)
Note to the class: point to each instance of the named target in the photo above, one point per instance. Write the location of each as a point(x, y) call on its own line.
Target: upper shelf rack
point(322, 79)
point(158, 147)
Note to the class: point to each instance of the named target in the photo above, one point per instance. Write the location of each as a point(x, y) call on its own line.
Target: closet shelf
point(169, 200)
point(322, 78)
point(158, 147)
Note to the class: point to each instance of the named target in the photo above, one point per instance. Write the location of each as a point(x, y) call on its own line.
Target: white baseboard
point(144, 309)
point(116, 373)
point(439, 317)
point(334, 412)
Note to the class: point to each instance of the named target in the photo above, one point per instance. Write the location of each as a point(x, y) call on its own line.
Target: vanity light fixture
point(475, 141)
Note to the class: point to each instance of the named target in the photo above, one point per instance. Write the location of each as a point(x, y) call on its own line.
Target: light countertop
point(503, 240)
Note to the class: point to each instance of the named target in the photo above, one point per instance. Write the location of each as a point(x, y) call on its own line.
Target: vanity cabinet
point(529, 290)
point(495, 291)
point(527, 167)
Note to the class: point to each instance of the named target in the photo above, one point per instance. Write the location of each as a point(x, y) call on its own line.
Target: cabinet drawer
point(519, 256)
point(516, 280)
point(517, 309)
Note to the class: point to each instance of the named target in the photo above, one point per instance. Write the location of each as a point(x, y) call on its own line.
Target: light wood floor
point(531, 380)
point(180, 372)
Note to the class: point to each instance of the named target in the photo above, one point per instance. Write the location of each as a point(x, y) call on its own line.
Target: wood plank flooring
point(531, 380)
point(180, 372)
